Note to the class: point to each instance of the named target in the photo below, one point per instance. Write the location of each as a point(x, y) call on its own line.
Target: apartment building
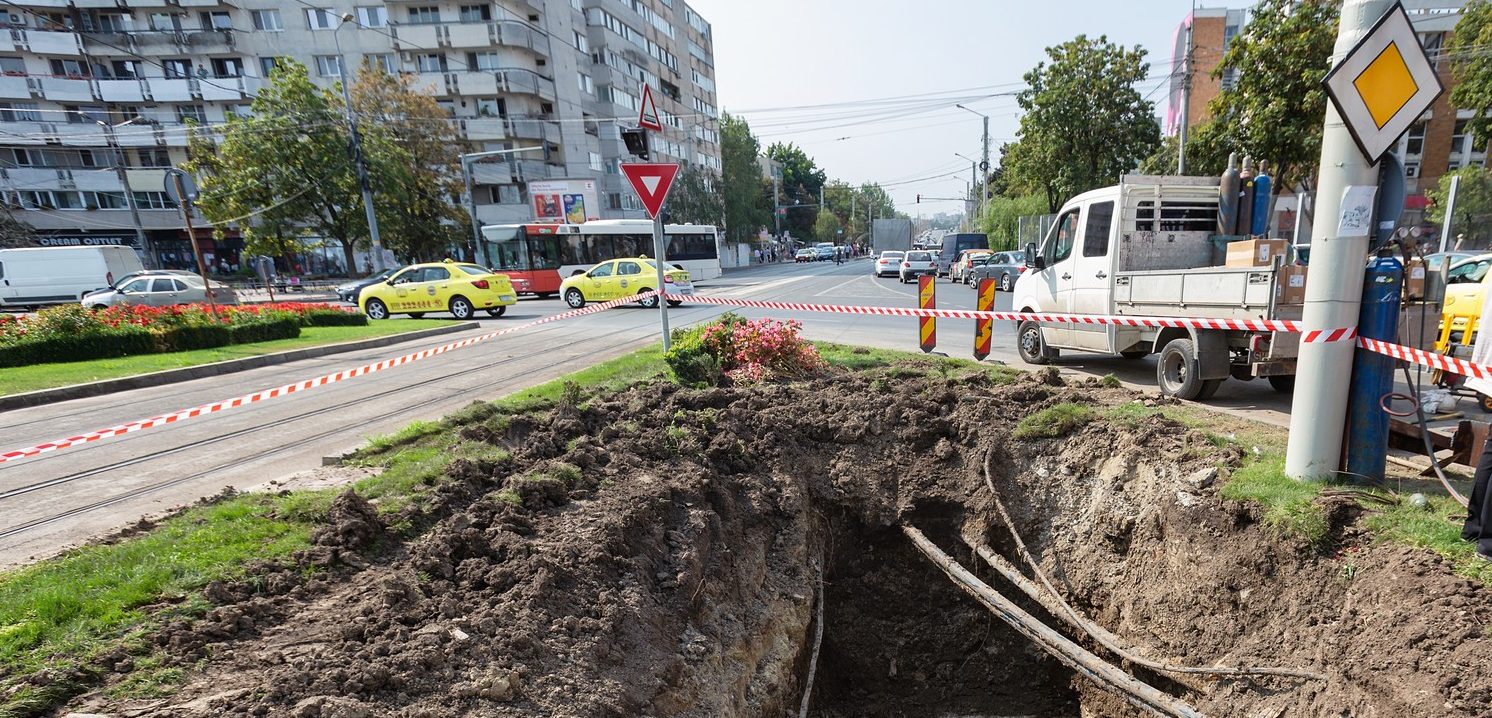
point(1436, 144)
point(95, 96)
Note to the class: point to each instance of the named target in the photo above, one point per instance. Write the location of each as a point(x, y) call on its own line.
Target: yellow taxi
point(617, 278)
point(456, 287)
point(1465, 290)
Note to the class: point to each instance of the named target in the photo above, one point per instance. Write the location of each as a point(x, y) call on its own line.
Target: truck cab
point(1148, 247)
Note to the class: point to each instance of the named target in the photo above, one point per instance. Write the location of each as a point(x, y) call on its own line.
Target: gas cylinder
point(1227, 198)
point(1245, 197)
point(1261, 200)
point(1373, 373)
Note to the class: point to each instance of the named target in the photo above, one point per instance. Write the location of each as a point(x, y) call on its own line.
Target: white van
point(59, 275)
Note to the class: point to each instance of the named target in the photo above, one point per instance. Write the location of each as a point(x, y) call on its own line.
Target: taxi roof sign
point(1384, 84)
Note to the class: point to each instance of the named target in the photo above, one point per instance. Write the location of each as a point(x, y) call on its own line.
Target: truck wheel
point(1283, 384)
point(1177, 372)
point(1031, 346)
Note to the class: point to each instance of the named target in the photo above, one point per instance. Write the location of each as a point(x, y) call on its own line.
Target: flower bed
point(75, 333)
point(733, 350)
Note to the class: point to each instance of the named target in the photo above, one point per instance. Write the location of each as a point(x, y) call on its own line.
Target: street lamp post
point(984, 163)
point(124, 179)
point(471, 199)
point(973, 186)
point(357, 150)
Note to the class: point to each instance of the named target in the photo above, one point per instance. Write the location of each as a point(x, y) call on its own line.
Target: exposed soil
point(657, 553)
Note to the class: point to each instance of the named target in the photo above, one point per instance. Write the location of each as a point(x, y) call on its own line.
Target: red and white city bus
point(537, 257)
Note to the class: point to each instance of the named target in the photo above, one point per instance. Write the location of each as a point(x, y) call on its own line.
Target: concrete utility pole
point(124, 181)
point(357, 150)
point(973, 187)
point(467, 160)
point(776, 208)
point(1450, 209)
point(983, 184)
point(1324, 370)
point(1186, 96)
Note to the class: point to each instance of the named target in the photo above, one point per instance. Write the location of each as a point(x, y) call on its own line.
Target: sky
point(774, 57)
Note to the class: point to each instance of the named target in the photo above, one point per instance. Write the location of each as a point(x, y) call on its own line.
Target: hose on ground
point(1424, 435)
point(1140, 694)
point(1065, 611)
point(818, 642)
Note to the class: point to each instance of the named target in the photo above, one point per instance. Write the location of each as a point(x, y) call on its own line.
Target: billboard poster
point(565, 201)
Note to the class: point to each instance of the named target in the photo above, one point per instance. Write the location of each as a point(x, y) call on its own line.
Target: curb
point(172, 376)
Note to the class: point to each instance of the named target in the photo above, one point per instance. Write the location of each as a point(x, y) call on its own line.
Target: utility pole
point(357, 149)
point(982, 185)
point(467, 160)
point(776, 208)
point(1186, 96)
point(1450, 209)
point(124, 181)
point(1334, 294)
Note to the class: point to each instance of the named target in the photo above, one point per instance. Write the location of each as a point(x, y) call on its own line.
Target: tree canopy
point(801, 181)
point(695, 199)
point(1471, 66)
point(1084, 121)
point(748, 206)
point(1473, 204)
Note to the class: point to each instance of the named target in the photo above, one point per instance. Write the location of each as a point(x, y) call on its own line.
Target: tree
point(695, 198)
point(745, 193)
point(411, 149)
point(15, 233)
point(1001, 220)
point(1473, 205)
point(801, 182)
point(1084, 123)
point(283, 171)
point(826, 227)
point(1276, 108)
point(1471, 66)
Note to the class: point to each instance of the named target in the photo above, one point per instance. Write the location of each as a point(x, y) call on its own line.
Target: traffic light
point(919, 198)
point(636, 141)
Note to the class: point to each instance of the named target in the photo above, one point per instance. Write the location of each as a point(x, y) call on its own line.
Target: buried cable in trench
point(1141, 695)
point(1059, 607)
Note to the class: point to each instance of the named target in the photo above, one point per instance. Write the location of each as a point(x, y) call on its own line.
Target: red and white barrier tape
point(1424, 358)
point(217, 406)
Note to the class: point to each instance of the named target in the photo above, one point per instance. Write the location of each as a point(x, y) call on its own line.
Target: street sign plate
point(1384, 84)
point(651, 181)
point(647, 114)
point(188, 186)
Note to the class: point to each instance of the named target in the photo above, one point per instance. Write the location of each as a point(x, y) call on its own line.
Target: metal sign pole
point(659, 258)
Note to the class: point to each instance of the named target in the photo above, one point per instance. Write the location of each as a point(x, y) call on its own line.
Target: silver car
point(160, 290)
point(1003, 267)
point(917, 264)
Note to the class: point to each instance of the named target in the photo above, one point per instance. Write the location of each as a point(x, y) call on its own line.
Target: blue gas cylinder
point(1372, 373)
point(1261, 201)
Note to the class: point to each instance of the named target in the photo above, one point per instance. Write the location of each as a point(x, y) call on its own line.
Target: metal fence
point(1032, 228)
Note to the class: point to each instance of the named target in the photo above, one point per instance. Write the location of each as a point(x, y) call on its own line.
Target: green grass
point(860, 358)
point(47, 376)
point(1432, 528)
point(1289, 505)
point(1054, 421)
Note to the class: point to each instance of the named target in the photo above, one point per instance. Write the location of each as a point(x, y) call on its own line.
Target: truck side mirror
point(1033, 259)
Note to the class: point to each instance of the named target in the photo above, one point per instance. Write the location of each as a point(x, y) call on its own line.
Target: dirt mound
point(658, 552)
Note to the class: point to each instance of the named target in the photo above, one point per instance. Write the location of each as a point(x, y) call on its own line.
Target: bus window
point(509, 256)
point(543, 252)
point(683, 247)
point(573, 251)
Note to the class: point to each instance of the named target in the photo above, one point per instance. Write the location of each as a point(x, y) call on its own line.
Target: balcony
point(131, 90)
point(25, 133)
point(484, 128)
point(525, 82)
point(64, 89)
point(170, 89)
point(52, 43)
point(222, 89)
point(14, 87)
point(533, 130)
point(153, 180)
point(209, 41)
point(34, 177)
point(7, 44)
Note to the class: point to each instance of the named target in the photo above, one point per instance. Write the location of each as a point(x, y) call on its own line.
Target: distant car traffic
point(824, 252)
point(916, 264)
point(805, 255)
point(159, 288)
point(889, 263)
point(1003, 267)
point(961, 263)
point(348, 292)
point(618, 278)
point(456, 287)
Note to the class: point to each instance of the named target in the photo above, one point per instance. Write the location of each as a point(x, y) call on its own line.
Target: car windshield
point(919, 257)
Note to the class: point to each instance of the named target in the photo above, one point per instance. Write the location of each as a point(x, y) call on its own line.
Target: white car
point(160, 289)
point(915, 264)
point(888, 264)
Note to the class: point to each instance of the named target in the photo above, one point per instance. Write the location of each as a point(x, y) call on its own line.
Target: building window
point(321, 18)
point(154, 157)
point(596, 162)
point(432, 62)
point(587, 85)
point(177, 68)
point(1414, 145)
point(193, 113)
point(1460, 144)
point(488, 108)
point(20, 112)
point(113, 22)
point(69, 68)
point(268, 21)
point(384, 61)
point(424, 15)
point(227, 67)
point(613, 200)
point(268, 65)
point(163, 22)
point(504, 194)
point(582, 43)
point(476, 13)
point(12, 66)
point(373, 16)
point(218, 20)
point(483, 61)
point(125, 69)
point(153, 200)
point(329, 65)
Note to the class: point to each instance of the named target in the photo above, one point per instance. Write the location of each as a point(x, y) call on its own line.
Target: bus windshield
point(512, 249)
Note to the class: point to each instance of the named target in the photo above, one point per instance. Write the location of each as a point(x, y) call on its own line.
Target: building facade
point(95, 96)
point(1435, 145)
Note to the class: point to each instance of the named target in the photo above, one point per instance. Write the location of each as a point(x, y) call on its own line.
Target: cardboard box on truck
point(1414, 279)
point(1291, 286)
point(1254, 252)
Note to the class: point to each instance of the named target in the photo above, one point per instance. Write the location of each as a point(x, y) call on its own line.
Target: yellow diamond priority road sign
point(1384, 84)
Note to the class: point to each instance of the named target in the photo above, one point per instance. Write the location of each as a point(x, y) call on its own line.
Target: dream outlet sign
point(89, 241)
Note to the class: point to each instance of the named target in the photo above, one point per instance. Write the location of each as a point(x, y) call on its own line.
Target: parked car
point(348, 292)
point(916, 264)
point(888, 263)
point(33, 277)
point(160, 289)
point(961, 263)
point(805, 255)
point(456, 287)
point(825, 251)
point(1003, 267)
point(1433, 262)
point(618, 278)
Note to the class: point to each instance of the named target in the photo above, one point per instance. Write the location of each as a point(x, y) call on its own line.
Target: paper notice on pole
point(1357, 211)
point(1481, 352)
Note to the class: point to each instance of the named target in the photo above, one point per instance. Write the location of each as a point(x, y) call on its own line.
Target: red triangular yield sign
point(651, 183)
point(647, 115)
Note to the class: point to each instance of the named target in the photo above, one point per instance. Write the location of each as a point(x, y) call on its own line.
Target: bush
point(195, 336)
point(742, 352)
point(99, 344)
point(333, 318)
point(687, 358)
point(264, 330)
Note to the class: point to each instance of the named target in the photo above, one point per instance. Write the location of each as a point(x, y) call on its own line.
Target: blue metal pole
point(1373, 374)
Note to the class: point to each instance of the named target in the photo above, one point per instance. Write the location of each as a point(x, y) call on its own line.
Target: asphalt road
point(60, 499)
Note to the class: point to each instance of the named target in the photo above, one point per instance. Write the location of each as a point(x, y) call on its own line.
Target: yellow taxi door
point(435, 284)
point(601, 282)
point(403, 284)
point(629, 278)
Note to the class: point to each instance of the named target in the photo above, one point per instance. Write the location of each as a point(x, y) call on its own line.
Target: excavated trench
point(659, 552)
